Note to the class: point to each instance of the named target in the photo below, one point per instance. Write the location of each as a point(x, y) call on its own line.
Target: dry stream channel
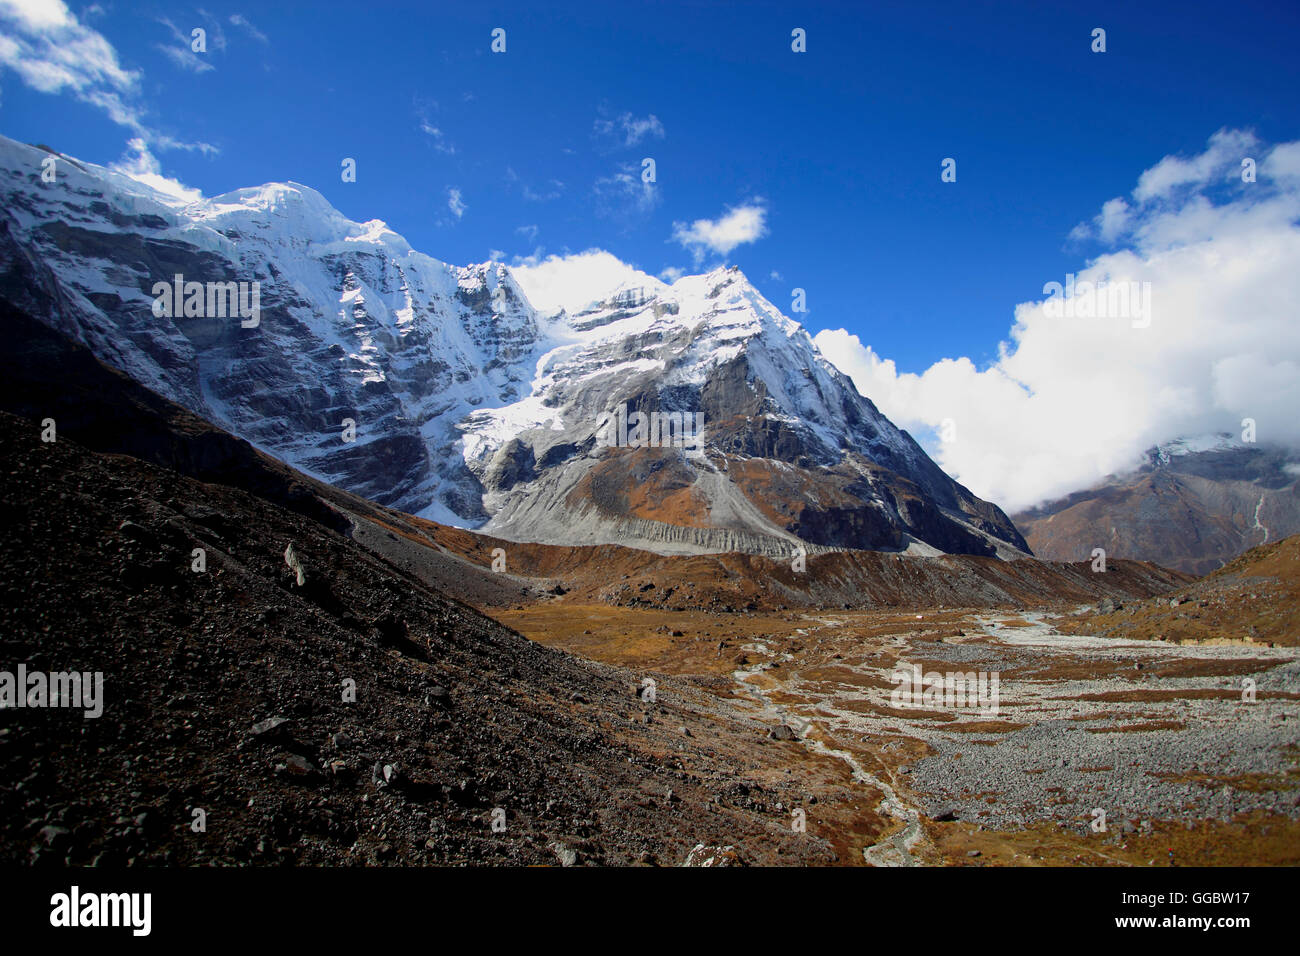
point(1139, 730)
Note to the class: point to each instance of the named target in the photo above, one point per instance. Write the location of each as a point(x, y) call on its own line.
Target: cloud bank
point(1073, 399)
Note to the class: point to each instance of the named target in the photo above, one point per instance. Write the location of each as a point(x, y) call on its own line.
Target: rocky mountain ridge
point(441, 391)
point(1191, 505)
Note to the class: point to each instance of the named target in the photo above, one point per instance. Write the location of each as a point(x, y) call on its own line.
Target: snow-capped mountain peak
point(442, 390)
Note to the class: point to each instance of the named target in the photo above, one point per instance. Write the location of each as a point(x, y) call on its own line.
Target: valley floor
point(1155, 735)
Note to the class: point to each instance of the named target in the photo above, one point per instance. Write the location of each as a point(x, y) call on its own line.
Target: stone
point(55, 837)
point(264, 727)
point(566, 855)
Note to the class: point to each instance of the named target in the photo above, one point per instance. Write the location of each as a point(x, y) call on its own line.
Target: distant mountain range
point(1191, 505)
point(442, 391)
point(688, 417)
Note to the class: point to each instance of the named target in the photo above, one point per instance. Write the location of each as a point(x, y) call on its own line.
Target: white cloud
point(1226, 149)
point(629, 129)
point(455, 203)
point(625, 196)
point(53, 52)
point(528, 232)
point(216, 35)
point(182, 52)
point(1070, 400)
point(142, 166)
point(671, 274)
point(239, 20)
point(39, 15)
point(574, 281)
point(553, 190)
point(1114, 219)
point(439, 140)
point(186, 59)
point(740, 224)
point(1283, 163)
point(163, 141)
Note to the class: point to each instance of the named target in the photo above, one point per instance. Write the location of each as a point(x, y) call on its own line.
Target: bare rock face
point(442, 391)
point(1189, 506)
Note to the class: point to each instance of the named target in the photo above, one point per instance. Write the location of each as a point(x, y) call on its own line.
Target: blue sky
point(841, 145)
point(828, 162)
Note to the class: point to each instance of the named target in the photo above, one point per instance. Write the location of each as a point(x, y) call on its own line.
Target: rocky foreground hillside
point(1253, 599)
point(224, 689)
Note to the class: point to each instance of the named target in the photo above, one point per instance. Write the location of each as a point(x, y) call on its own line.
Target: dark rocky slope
point(454, 714)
